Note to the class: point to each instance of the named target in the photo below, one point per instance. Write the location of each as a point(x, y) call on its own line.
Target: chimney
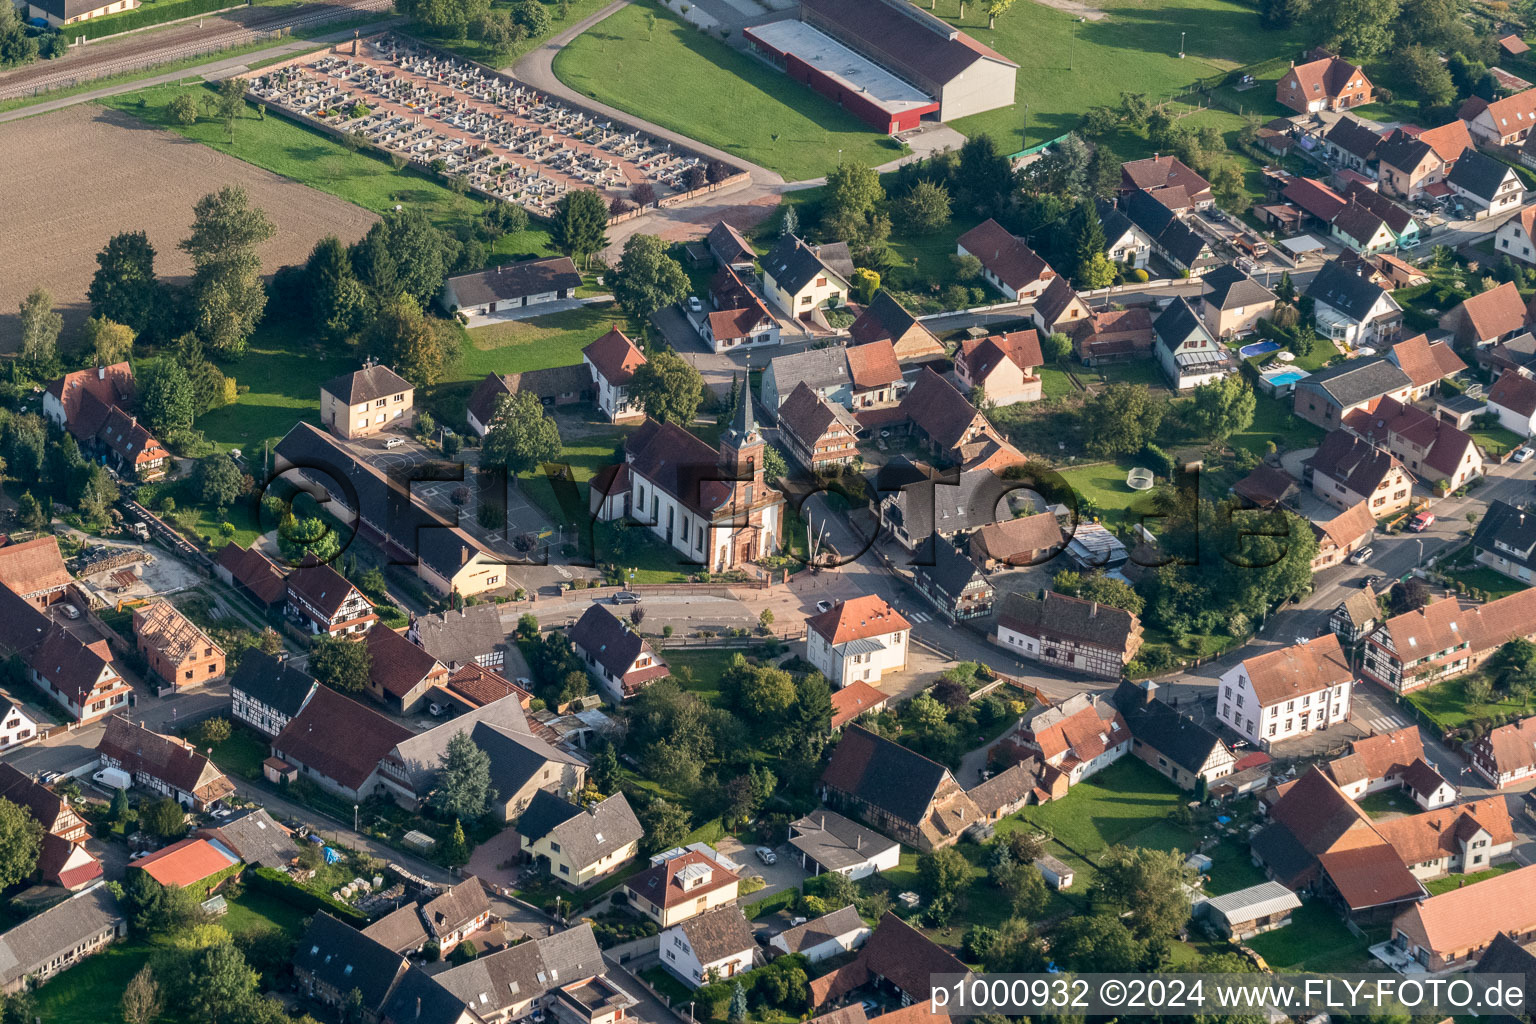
point(1149, 692)
point(101, 373)
point(858, 842)
point(1093, 611)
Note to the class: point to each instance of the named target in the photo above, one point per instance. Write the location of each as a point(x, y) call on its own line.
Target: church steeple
point(741, 450)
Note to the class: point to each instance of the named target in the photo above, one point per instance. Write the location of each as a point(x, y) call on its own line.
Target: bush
point(1140, 276)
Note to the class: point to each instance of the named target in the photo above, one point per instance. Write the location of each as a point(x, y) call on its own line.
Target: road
point(68, 750)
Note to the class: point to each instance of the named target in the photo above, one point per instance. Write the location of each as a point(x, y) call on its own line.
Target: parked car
point(626, 597)
point(394, 442)
point(766, 855)
point(1421, 522)
point(69, 611)
point(1362, 556)
point(1521, 454)
point(694, 305)
point(823, 606)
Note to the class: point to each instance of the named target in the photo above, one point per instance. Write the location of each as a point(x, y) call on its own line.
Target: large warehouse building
point(887, 61)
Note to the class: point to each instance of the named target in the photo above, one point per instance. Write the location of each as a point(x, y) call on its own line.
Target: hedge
point(154, 13)
point(769, 904)
point(277, 883)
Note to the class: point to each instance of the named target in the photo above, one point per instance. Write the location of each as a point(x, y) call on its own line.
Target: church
point(714, 508)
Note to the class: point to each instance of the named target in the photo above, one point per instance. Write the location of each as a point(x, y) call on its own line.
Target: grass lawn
point(287, 148)
point(678, 77)
point(1104, 485)
point(1449, 707)
point(706, 666)
point(476, 50)
point(1315, 940)
point(1274, 421)
point(259, 911)
point(665, 982)
point(1495, 584)
point(1124, 799)
point(88, 992)
point(1450, 882)
point(1066, 67)
point(537, 343)
point(1388, 801)
point(1497, 440)
point(1054, 383)
point(241, 754)
point(281, 394)
point(1137, 371)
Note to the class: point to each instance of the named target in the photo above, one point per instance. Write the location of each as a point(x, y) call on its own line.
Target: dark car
point(626, 597)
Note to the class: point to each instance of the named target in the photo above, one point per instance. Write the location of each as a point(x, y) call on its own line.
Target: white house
point(827, 841)
point(1513, 400)
point(618, 658)
point(714, 945)
point(511, 286)
point(858, 639)
point(613, 360)
point(1516, 237)
point(1351, 309)
point(1008, 265)
point(1488, 186)
point(1186, 351)
point(1081, 735)
point(1287, 693)
point(798, 277)
point(841, 931)
point(16, 726)
point(1124, 242)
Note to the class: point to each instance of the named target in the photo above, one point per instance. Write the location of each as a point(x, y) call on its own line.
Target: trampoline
point(1139, 479)
point(1258, 348)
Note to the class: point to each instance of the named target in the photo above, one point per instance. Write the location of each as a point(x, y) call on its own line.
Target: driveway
point(785, 873)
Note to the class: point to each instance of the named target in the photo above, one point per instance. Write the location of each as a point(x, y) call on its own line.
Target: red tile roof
point(1298, 669)
point(1007, 257)
point(310, 738)
point(254, 571)
point(659, 886)
point(615, 357)
point(185, 863)
point(853, 700)
point(34, 567)
point(873, 365)
point(853, 620)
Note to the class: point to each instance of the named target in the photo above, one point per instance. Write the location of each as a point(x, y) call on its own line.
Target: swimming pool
point(1258, 348)
point(1283, 378)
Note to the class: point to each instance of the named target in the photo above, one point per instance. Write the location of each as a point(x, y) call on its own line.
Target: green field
point(1104, 485)
point(1315, 940)
point(1450, 882)
point(682, 79)
point(537, 343)
point(1112, 807)
point(284, 377)
point(1449, 707)
point(477, 50)
point(1493, 583)
point(1274, 421)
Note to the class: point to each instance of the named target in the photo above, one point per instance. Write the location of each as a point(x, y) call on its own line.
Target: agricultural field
point(155, 178)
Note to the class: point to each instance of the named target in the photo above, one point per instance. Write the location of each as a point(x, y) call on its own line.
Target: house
point(1444, 639)
point(616, 656)
point(1503, 122)
point(1176, 745)
point(91, 405)
point(1328, 396)
point(946, 422)
point(1343, 535)
point(1003, 793)
point(1495, 315)
point(333, 959)
point(1351, 144)
point(1505, 540)
point(1408, 164)
point(1506, 956)
point(162, 764)
point(579, 845)
point(1517, 236)
point(1027, 540)
point(841, 931)
point(613, 360)
point(1402, 227)
point(855, 699)
point(896, 790)
point(399, 672)
point(683, 883)
point(818, 434)
point(561, 976)
point(268, 692)
point(1317, 201)
point(1489, 187)
point(885, 319)
point(554, 387)
point(1172, 239)
point(79, 677)
point(400, 930)
point(1267, 487)
point(366, 402)
point(799, 277)
point(187, 862)
point(53, 941)
point(1235, 302)
point(458, 913)
point(1003, 366)
point(322, 602)
point(935, 505)
point(1286, 693)
point(1355, 617)
point(1330, 83)
point(350, 770)
point(510, 286)
point(738, 317)
point(175, 650)
point(1059, 309)
point(1079, 736)
point(953, 584)
point(1124, 242)
point(1376, 762)
point(256, 838)
point(896, 957)
point(471, 635)
point(253, 575)
point(1007, 264)
point(1114, 336)
point(715, 944)
point(1166, 174)
point(63, 859)
point(1431, 449)
point(1347, 470)
point(1248, 912)
point(59, 13)
point(876, 375)
point(827, 841)
point(1506, 755)
point(35, 570)
point(1187, 352)
point(16, 726)
point(730, 248)
point(1426, 363)
point(824, 370)
point(863, 639)
point(1070, 633)
point(1452, 930)
point(70, 866)
point(476, 687)
point(1349, 308)
point(713, 507)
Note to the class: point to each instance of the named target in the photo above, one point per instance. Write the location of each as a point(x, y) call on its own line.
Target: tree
point(1062, 170)
point(1121, 419)
point(215, 730)
point(532, 15)
point(110, 342)
point(183, 109)
point(404, 253)
point(218, 481)
point(1429, 79)
point(1055, 347)
point(21, 840)
point(454, 15)
point(1023, 885)
point(464, 782)
point(118, 812)
point(1149, 886)
point(943, 875)
point(165, 396)
point(668, 388)
point(340, 663)
point(647, 278)
point(522, 436)
point(227, 296)
point(307, 540)
point(31, 513)
point(338, 302)
point(790, 224)
point(1097, 587)
point(1095, 943)
point(1223, 407)
point(983, 176)
point(666, 825)
point(1360, 28)
point(164, 818)
point(995, 9)
point(925, 207)
point(852, 211)
point(864, 285)
point(766, 693)
point(737, 1011)
point(1026, 846)
point(141, 999)
point(580, 225)
point(409, 342)
point(218, 982)
point(124, 289)
point(40, 327)
point(16, 46)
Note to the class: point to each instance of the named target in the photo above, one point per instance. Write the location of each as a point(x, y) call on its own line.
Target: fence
point(151, 15)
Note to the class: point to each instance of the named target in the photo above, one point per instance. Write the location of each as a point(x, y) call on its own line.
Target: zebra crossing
point(1383, 723)
point(915, 617)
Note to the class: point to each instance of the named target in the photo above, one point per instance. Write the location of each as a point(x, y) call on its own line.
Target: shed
point(1252, 911)
point(1057, 874)
point(1198, 862)
point(420, 842)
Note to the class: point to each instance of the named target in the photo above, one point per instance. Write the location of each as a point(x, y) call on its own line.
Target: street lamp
point(1420, 562)
point(1181, 45)
point(354, 818)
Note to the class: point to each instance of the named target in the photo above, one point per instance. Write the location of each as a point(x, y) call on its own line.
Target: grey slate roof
point(1402, 150)
point(274, 683)
point(719, 933)
point(452, 910)
point(1177, 737)
point(460, 637)
point(516, 757)
point(367, 384)
point(258, 839)
point(1230, 288)
point(56, 932)
point(342, 957)
point(951, 572)
point(818, 368)
point(525, 971)
point(515, 280)
point(822, 929)
point(836, 842)
point(585, 835)
point(1349, 292)
point(793, 264)
point(1478, 174)
point(400, 929)
point(600, 633)
point(930, 507)
point(419, 998)
point(1514, 527)
point(422, 752)
point(1060, 615)
point(1354, 137)
point(1358, 380)
point(1178, 323)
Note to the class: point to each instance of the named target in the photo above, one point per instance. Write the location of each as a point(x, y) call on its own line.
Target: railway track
point(163, 46)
